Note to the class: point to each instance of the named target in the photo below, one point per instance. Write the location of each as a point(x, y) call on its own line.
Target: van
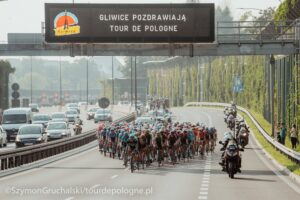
point(13, 119)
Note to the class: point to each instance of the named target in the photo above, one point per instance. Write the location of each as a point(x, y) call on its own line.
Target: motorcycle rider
point(230, 120)
point(77, 129)
point(229, 139)
point(242, 128)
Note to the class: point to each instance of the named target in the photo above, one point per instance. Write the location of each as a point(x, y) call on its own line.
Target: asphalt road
point(87, 124)
point(89, 175)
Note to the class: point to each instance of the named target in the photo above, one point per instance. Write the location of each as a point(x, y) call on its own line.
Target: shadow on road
point(254, 179)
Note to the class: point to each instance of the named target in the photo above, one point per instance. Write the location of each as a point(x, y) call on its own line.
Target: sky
point(26, 16)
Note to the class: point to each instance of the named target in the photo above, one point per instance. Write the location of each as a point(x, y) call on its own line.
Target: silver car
point(59, 117)
point(103, 115)
point(72, 115)
point(3, 137)
point(58, 130)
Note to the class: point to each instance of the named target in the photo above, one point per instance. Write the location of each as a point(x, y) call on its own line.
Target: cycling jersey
point(158, 141)
point(183, 139)
point(172, 140)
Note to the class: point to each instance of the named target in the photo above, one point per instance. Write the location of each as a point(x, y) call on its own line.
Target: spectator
point(277, 132)
point(294, 136)
point(282, 134)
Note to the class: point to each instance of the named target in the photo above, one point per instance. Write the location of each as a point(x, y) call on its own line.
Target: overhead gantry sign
point(129, 23)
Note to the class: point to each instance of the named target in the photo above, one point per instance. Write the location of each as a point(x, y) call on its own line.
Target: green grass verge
point(280, 158)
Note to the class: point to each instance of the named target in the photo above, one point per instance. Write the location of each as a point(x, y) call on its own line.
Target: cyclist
point(159, 146)
point(202, 136)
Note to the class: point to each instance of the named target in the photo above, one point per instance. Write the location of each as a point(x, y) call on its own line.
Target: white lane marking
point(205, 181)
point(114, 176)
point(95, 186)
point(205, 178)
point(204, 185)
point(204, 189)
point(202, 197)
point(69, 198)
point(203, 193)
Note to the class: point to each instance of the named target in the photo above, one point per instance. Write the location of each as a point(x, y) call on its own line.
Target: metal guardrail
point(17, 157)
point(293, 155)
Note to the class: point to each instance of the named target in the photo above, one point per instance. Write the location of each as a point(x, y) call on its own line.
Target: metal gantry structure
point(232, 38)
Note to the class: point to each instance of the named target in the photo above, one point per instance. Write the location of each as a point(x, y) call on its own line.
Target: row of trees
point(211, 79)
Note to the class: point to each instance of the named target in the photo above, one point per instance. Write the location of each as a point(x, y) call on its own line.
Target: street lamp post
point(112, 80)
point(87, 82)
point(60, 85)
point(131, 82)
point(135, 84)
point(31, 79)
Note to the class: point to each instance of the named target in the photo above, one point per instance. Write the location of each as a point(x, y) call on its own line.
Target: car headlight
point(39, 139)
point(64, 133)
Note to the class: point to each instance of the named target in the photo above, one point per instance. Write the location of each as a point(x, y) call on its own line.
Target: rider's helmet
point(228, 136)
point(131, 137)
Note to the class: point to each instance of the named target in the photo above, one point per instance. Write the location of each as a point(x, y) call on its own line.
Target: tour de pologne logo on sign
point(66, 23)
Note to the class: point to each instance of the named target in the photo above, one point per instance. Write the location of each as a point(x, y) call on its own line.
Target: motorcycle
point(232, 160)
point(79, 121)
point(77, 129)
point(243, 137)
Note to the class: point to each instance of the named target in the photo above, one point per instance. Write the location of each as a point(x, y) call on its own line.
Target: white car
point(3, 137)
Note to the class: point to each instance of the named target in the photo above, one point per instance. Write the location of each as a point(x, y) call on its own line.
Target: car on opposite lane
point(91, 113)
point(145, 120)
point(59, 117)
point(13, 119)
point(41, 119)
point(3, 137)
point(57, 130)
point(73, 106)
point(34, 107)
point(30, 134)
point(72, 115)
point(103, 115)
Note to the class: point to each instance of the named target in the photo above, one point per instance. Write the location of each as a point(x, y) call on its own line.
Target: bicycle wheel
point(125, 160)
point(131, 165)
